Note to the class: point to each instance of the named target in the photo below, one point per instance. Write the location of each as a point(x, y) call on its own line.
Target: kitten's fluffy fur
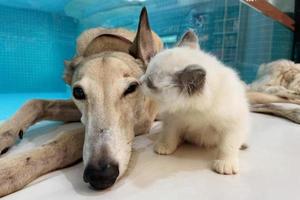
point(201, 101)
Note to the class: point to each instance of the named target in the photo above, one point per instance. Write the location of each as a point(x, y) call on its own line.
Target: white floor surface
point(269, 169)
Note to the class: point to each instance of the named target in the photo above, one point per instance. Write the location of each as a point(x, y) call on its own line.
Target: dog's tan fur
point(280, 78)
point(19, 170)
point(106, 57)
point(277, 82)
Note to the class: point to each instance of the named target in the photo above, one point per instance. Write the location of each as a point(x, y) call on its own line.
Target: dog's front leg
point(17, 171)
point(32, 112)
point(280, 91)
point(292, 114)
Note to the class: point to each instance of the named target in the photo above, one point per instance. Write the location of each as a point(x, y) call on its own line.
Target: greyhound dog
point(104, 78)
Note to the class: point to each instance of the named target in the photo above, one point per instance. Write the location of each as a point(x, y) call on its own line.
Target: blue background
point(36, 36)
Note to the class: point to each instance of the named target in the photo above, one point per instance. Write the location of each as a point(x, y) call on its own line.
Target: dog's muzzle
point(102, 176)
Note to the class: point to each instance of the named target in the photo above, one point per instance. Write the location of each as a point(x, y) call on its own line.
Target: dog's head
point(104, 79)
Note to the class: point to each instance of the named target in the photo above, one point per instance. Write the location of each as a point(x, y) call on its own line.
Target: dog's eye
point(78, 93)
point(131, 88)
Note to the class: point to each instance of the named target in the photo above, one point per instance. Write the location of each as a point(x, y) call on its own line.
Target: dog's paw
point(226, 167)
point(8, 136)
point(164, 148)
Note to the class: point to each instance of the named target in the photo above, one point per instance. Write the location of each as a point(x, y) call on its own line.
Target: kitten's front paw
point(226, 167)
point(164, 148)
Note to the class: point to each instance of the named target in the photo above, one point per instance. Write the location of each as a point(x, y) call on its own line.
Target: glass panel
point(36, 36)
point(261, 40)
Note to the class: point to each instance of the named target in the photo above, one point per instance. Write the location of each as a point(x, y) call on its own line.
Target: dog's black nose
point(102, 176)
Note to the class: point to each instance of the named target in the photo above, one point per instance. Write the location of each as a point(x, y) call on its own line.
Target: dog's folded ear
point(189, 39)
point(191, 79)
point(143, 46)
point(70, 67)
point(107, 42)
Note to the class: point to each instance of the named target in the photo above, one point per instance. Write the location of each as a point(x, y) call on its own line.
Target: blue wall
point(33, 45)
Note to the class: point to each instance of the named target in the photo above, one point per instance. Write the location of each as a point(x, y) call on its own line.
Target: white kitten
point(201, 101)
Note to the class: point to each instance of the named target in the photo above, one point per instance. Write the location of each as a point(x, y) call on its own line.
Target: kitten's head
point(174, 76)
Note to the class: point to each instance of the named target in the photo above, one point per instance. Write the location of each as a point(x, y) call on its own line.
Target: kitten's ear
point(189, 39)
point(191, 80)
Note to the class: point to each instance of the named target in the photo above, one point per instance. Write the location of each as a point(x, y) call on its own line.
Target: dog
point(107, 100)
point(277, 82)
